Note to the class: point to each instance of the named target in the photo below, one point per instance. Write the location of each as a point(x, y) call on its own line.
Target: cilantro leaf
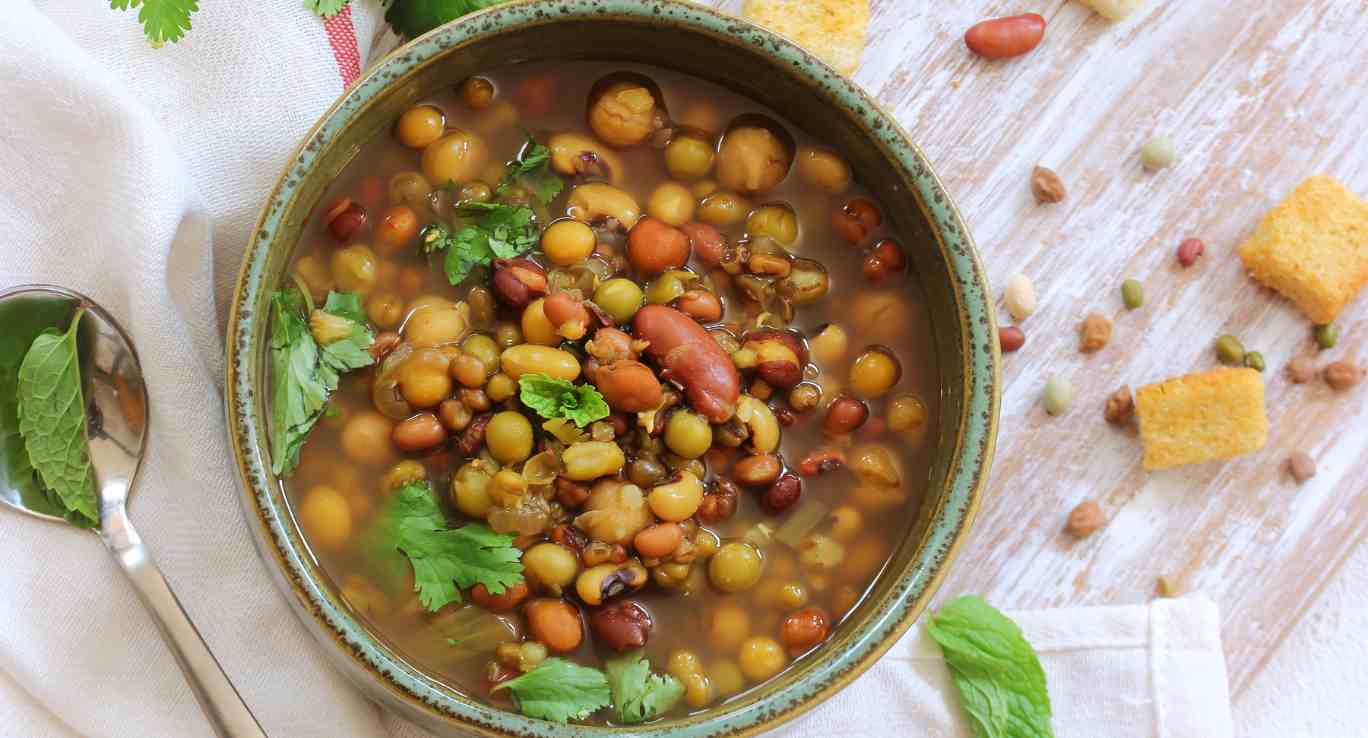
point(326, 8)
point(414, 18)
point(52, 421)
point(446, 560)
point(532, 167)
point(639, 695)
point(305, 374)
point(1001, 684)
point(495, 231)
point(162, 20)
point(557, 398)
point(559, 690)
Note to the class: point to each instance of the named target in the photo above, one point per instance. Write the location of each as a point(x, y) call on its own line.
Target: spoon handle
point(223, 706)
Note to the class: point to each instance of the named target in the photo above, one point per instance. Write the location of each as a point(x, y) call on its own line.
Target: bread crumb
point(1217, 414)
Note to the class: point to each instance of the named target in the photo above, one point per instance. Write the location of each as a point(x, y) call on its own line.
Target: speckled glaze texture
point(779, 74)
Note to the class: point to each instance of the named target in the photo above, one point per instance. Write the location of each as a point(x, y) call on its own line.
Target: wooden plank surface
point(1257, 97)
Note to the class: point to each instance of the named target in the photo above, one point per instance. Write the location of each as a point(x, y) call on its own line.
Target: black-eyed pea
point(677, 500)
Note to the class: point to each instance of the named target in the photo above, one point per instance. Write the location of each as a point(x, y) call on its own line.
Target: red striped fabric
point(342, 38)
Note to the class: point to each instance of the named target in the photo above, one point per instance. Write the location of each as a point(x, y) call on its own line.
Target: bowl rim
point(385, 675)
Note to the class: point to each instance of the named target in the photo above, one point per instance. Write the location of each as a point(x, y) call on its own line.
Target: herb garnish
point(639, 695)
point(1001, 684)
point(494, 231)
point(309, 350)
point(557, 398)
point(533, 169)
point(559, 690)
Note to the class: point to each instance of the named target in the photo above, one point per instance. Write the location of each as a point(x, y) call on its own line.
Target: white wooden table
point(1257, 97)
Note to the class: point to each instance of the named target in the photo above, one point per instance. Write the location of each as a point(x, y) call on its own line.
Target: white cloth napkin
point(134, 175)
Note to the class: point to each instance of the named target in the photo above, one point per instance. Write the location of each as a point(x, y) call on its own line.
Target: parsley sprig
point(492, 231)
point(639, 695)
point(532, 169)
point(559, 690)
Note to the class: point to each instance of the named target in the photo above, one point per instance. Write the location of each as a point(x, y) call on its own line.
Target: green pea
point(1058, 395)
point(1229, 350)
point(620, 298)
point(1254, 360)
point(1132, 293)
point(1158, 153)
point(1327, 335)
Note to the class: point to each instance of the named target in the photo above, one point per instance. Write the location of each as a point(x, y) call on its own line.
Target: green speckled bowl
point(751, 61)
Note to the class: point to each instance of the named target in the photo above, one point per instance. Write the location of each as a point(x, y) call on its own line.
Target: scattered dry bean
point(1327, 335)
point(1229, 350)
point(1094, 333)
point(1020, 297)
point(1120, 406)
point(1301, 466)
point(1301, 370)
point(1058, 395)
point(1254, 360)
point(1342, 375)
point(1085, 519)
point(1132, 294)
point(1046, 186)
point(1011, 338)
point(1001, 38)
point(1189, 250)
point(1170, 585)
point(1158, 153)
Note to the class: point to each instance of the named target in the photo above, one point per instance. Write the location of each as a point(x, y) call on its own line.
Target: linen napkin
point(135, 175)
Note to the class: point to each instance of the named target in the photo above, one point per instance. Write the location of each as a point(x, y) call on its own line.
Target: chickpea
point(454, 415)
point(723, 208)
point(752, 157)
point(509, 437)
point(411, 189)
point(477, 92)
point(728, 626)
point(698, 691)
point(683, 662)
point(735, 567)
point(470, 489)
point(420, 125)
point(907, 414)
point(775, 221)
point(761, 657)
point(397, 227)
point(823, 169)
point(456, 157)
point(672, 203)
point(689, 155)
point(500, 387)
point(385, 309)
point(366, 438)
point(702, 188)
point(846, 523)
point(354, 269)
point(568, 242)
point(620, 298)
point(883, 314)
point(423, 378)
point(437, 323)
point(555, 623)
point(623, 113)
point(551, 565)
point(315, 276)
point(726, 677)
point(674, 501)
point(325, 517)
point(688, 434)
point(875, 372)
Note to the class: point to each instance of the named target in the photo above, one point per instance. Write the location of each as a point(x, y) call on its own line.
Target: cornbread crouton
point(1313, 248)
point(1114, 10)
point(832, 29)
point(1217, 414)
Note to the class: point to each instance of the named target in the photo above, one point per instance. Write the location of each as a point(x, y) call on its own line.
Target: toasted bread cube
point(1115, 10)
point(1313, 248)
point(832, 29)
point(1217, 414)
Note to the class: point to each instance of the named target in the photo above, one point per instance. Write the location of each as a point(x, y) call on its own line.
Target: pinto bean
point(689, 355)
point(567, 313)
point(654, 246)
point(708, 243)
point(419, 433)
point(628, 386)
point(701, 305)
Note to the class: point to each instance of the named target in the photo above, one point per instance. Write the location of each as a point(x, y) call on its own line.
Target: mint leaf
point(162, 20)
point(557, 398)
point(326, 8)
point(414, 18)
point(559, 690)
point(639, 695)
point(446, 560)
point(52, 420)
point(1000, 682)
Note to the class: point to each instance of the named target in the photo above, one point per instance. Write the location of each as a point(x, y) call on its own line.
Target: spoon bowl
point(116, 430)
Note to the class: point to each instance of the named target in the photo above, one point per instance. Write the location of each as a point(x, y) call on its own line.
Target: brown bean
point(701, 305)
point(518, 282)
point(1001, 38)
point(1120, 406)
point(883, 261)
point(621, 625)
point(658, 541)
point(344, 218)
point(654, 246)
point(1300, 370)
point(1301, 466)
point(454, 415)
point(556, 623)
point(1085, 519)
point(757, 470)
point(1189, 251)
point(804, 629)
point(844, 415)
point(609, 345)
point(855, 220)
point(629, 386)
point(419, 433)
point(1011, 339)
point(510, 598)
point(689, 355)
point(567, 313)
point(708, 243)
point(781, 495)
point(1343, 375)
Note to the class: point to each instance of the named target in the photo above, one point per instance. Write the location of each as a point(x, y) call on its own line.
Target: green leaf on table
point(413, 18)
point(326, 8)
point(52, 420)
point(533, 169)
point(1000, 682)
point(162, 20)
point(556, 398)
point(445, 560)
point(491, 231)
point(639, 695)
point(306, 373)
point(559, 690)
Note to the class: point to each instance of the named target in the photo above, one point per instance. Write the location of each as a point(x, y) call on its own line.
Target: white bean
point(1020, 297)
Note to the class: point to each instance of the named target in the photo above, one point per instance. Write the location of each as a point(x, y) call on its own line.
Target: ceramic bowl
point(753, 62)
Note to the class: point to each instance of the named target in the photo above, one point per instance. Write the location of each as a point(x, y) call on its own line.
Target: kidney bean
point(757, 470)
point(629, 386)
point(556, 623)
point(419, 433)
point(883, 261)
point(708, 243)
point(844, 415)
point(1002, 38)
point(509, 599)
point(781, 495)
point(855, 220)
point(654, 246)
point(621, 625)
point(804, 629)
point(518, 282)
point(1011, 338)
point(820, 461)
point(344, 218)
point(701, 305)
point(1189, 250)
point(689, 355)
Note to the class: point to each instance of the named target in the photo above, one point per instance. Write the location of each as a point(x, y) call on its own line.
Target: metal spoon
point(116, 402)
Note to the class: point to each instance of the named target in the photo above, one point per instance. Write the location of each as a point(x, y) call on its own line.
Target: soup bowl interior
point(749, 61)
